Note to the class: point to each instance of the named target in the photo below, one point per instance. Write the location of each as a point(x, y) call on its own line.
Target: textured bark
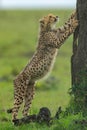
point(79, 57)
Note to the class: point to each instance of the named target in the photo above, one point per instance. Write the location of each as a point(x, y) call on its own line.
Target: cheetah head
point(47, 22)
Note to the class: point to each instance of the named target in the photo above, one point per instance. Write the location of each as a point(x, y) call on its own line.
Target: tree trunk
point(79, 57)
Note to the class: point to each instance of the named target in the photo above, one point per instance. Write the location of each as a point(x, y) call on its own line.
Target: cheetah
point(49, 41)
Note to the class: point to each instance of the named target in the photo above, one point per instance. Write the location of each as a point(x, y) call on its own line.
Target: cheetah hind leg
point(17, 103)
point(28, 97)
point(19, 92)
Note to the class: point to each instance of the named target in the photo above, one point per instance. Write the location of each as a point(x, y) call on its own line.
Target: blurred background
point(19, 29)
point(38, 4)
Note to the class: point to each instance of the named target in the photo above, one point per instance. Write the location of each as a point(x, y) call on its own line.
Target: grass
point(18, 40)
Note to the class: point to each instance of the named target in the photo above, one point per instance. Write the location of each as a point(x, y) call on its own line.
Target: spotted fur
point(50, 40)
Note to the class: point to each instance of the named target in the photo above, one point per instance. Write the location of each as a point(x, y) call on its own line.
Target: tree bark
point(79, 57)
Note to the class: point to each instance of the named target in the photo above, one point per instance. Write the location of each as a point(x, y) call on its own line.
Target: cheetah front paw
point(75, 23)
point(74, 15)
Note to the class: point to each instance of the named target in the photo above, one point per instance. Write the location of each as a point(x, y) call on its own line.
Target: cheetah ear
point(41, 21)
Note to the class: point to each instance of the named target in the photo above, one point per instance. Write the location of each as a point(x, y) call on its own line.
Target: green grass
point(18, 40)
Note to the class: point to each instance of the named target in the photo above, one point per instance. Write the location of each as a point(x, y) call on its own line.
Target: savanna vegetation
point(18, 40)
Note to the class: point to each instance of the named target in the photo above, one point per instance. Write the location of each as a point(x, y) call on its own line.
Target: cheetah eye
point(50, 16)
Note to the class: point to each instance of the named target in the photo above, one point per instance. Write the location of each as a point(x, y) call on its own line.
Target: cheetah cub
point(50, 40)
